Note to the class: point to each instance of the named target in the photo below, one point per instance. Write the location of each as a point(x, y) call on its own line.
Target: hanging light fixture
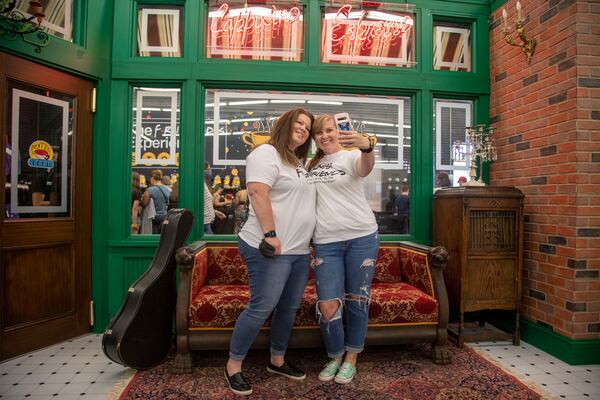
point(15, 23)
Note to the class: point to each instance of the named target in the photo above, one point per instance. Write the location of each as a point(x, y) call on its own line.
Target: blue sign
point(36, 163)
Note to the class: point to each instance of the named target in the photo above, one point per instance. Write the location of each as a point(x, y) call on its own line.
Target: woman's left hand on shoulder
point(353, 139)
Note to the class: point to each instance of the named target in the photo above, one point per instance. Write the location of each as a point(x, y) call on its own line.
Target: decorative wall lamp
point(482, 150)
point(527, 45)
point(14, 23)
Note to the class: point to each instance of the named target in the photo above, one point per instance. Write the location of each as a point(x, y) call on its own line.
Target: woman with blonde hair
point(345, 243)
point(274, 243)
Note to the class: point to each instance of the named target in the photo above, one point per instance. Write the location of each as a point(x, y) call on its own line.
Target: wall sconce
point(527, 45)
point(14, 23)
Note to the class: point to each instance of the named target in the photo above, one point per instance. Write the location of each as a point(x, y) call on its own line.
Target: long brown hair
point(316, 126)
point(281, 137)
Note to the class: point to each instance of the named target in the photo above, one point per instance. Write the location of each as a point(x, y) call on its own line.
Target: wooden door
point(45, 227)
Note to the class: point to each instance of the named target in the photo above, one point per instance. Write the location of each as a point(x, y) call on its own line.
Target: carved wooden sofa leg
point(439, 351)
point(440, 354)
point(183, 360)
point(182, 363)
point(438, 259)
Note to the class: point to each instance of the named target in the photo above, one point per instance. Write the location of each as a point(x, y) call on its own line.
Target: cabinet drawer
point(490, 281)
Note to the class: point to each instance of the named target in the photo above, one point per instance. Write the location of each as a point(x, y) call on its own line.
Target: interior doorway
point(45, 228)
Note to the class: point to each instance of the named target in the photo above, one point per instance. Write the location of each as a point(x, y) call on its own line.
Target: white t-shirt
point(342, 209)
point(292, 199)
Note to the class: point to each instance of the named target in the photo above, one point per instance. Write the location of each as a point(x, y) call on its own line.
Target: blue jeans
point(343, 272)
point(276, 285)
point(208, 229)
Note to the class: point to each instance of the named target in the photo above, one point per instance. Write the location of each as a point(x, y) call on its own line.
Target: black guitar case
point(141, 333)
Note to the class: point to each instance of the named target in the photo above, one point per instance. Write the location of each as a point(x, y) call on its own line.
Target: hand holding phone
point(346, 130)
point(343, 121)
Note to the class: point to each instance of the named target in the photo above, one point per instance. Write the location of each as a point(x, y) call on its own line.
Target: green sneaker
point(328, 373)
point(345, 374)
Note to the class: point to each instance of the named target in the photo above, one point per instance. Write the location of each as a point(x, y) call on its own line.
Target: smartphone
point(343, 121)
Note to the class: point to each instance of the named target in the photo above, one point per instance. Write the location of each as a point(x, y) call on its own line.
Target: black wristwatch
point(372, 143)
point(271, 234)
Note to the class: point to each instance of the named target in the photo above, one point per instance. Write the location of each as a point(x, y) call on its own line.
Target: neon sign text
point(363, 33)
point(240, 25)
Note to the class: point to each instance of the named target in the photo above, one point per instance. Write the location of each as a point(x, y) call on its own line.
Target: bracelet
point(372, 143)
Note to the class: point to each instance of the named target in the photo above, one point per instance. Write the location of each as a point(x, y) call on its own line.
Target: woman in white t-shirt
point(274, 243)
point(345, 243)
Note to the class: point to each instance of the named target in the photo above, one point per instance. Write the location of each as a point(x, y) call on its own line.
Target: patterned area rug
point(398, 372)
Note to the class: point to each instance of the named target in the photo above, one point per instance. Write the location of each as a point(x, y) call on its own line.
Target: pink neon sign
point(370, 37)
point(255, 31)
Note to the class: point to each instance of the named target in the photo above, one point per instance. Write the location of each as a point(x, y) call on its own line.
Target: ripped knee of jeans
point(333, 316)
point(358, 298)
point(368, 262)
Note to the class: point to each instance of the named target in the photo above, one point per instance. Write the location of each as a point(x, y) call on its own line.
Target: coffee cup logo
point(41, 155)
point(254, 139)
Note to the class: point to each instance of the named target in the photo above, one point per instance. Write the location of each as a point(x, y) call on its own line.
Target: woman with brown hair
point(274, 243)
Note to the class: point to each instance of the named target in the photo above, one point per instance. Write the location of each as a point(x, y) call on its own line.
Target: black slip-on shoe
point(288, 370)
point(238, 384)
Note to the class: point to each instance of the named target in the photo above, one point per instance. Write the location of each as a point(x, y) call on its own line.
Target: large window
point(238, 121)
point(452, 151)
point(155, 156)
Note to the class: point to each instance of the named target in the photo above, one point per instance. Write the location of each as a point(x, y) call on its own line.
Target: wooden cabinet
point(482, 228)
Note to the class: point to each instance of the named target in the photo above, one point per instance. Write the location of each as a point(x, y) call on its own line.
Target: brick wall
point(547, 119)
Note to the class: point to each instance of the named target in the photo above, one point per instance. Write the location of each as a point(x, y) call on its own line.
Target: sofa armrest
point(414, 266)
point(438, 260)
point(186, 258)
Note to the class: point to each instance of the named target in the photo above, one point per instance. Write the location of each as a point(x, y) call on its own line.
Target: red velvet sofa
point(409, 303)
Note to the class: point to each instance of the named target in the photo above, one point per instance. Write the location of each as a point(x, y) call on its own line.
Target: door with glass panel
point(45, 226)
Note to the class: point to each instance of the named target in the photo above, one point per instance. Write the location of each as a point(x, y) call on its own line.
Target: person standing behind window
point(442, 180)
point(346, 244)
point(241, 210)
point(136, 202)
point(160, 195)
point(274, 243)
point(403, 208)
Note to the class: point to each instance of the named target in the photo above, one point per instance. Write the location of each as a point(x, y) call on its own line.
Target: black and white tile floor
point(77, 369)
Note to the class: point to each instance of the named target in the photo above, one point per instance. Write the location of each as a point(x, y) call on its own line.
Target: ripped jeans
point(343, 272)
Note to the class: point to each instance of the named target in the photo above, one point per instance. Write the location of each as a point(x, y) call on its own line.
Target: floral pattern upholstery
point(218, 306)
point(415, 270)
point(388, 267)
point(199, 271)
point(402, 291)
point(226, 267)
